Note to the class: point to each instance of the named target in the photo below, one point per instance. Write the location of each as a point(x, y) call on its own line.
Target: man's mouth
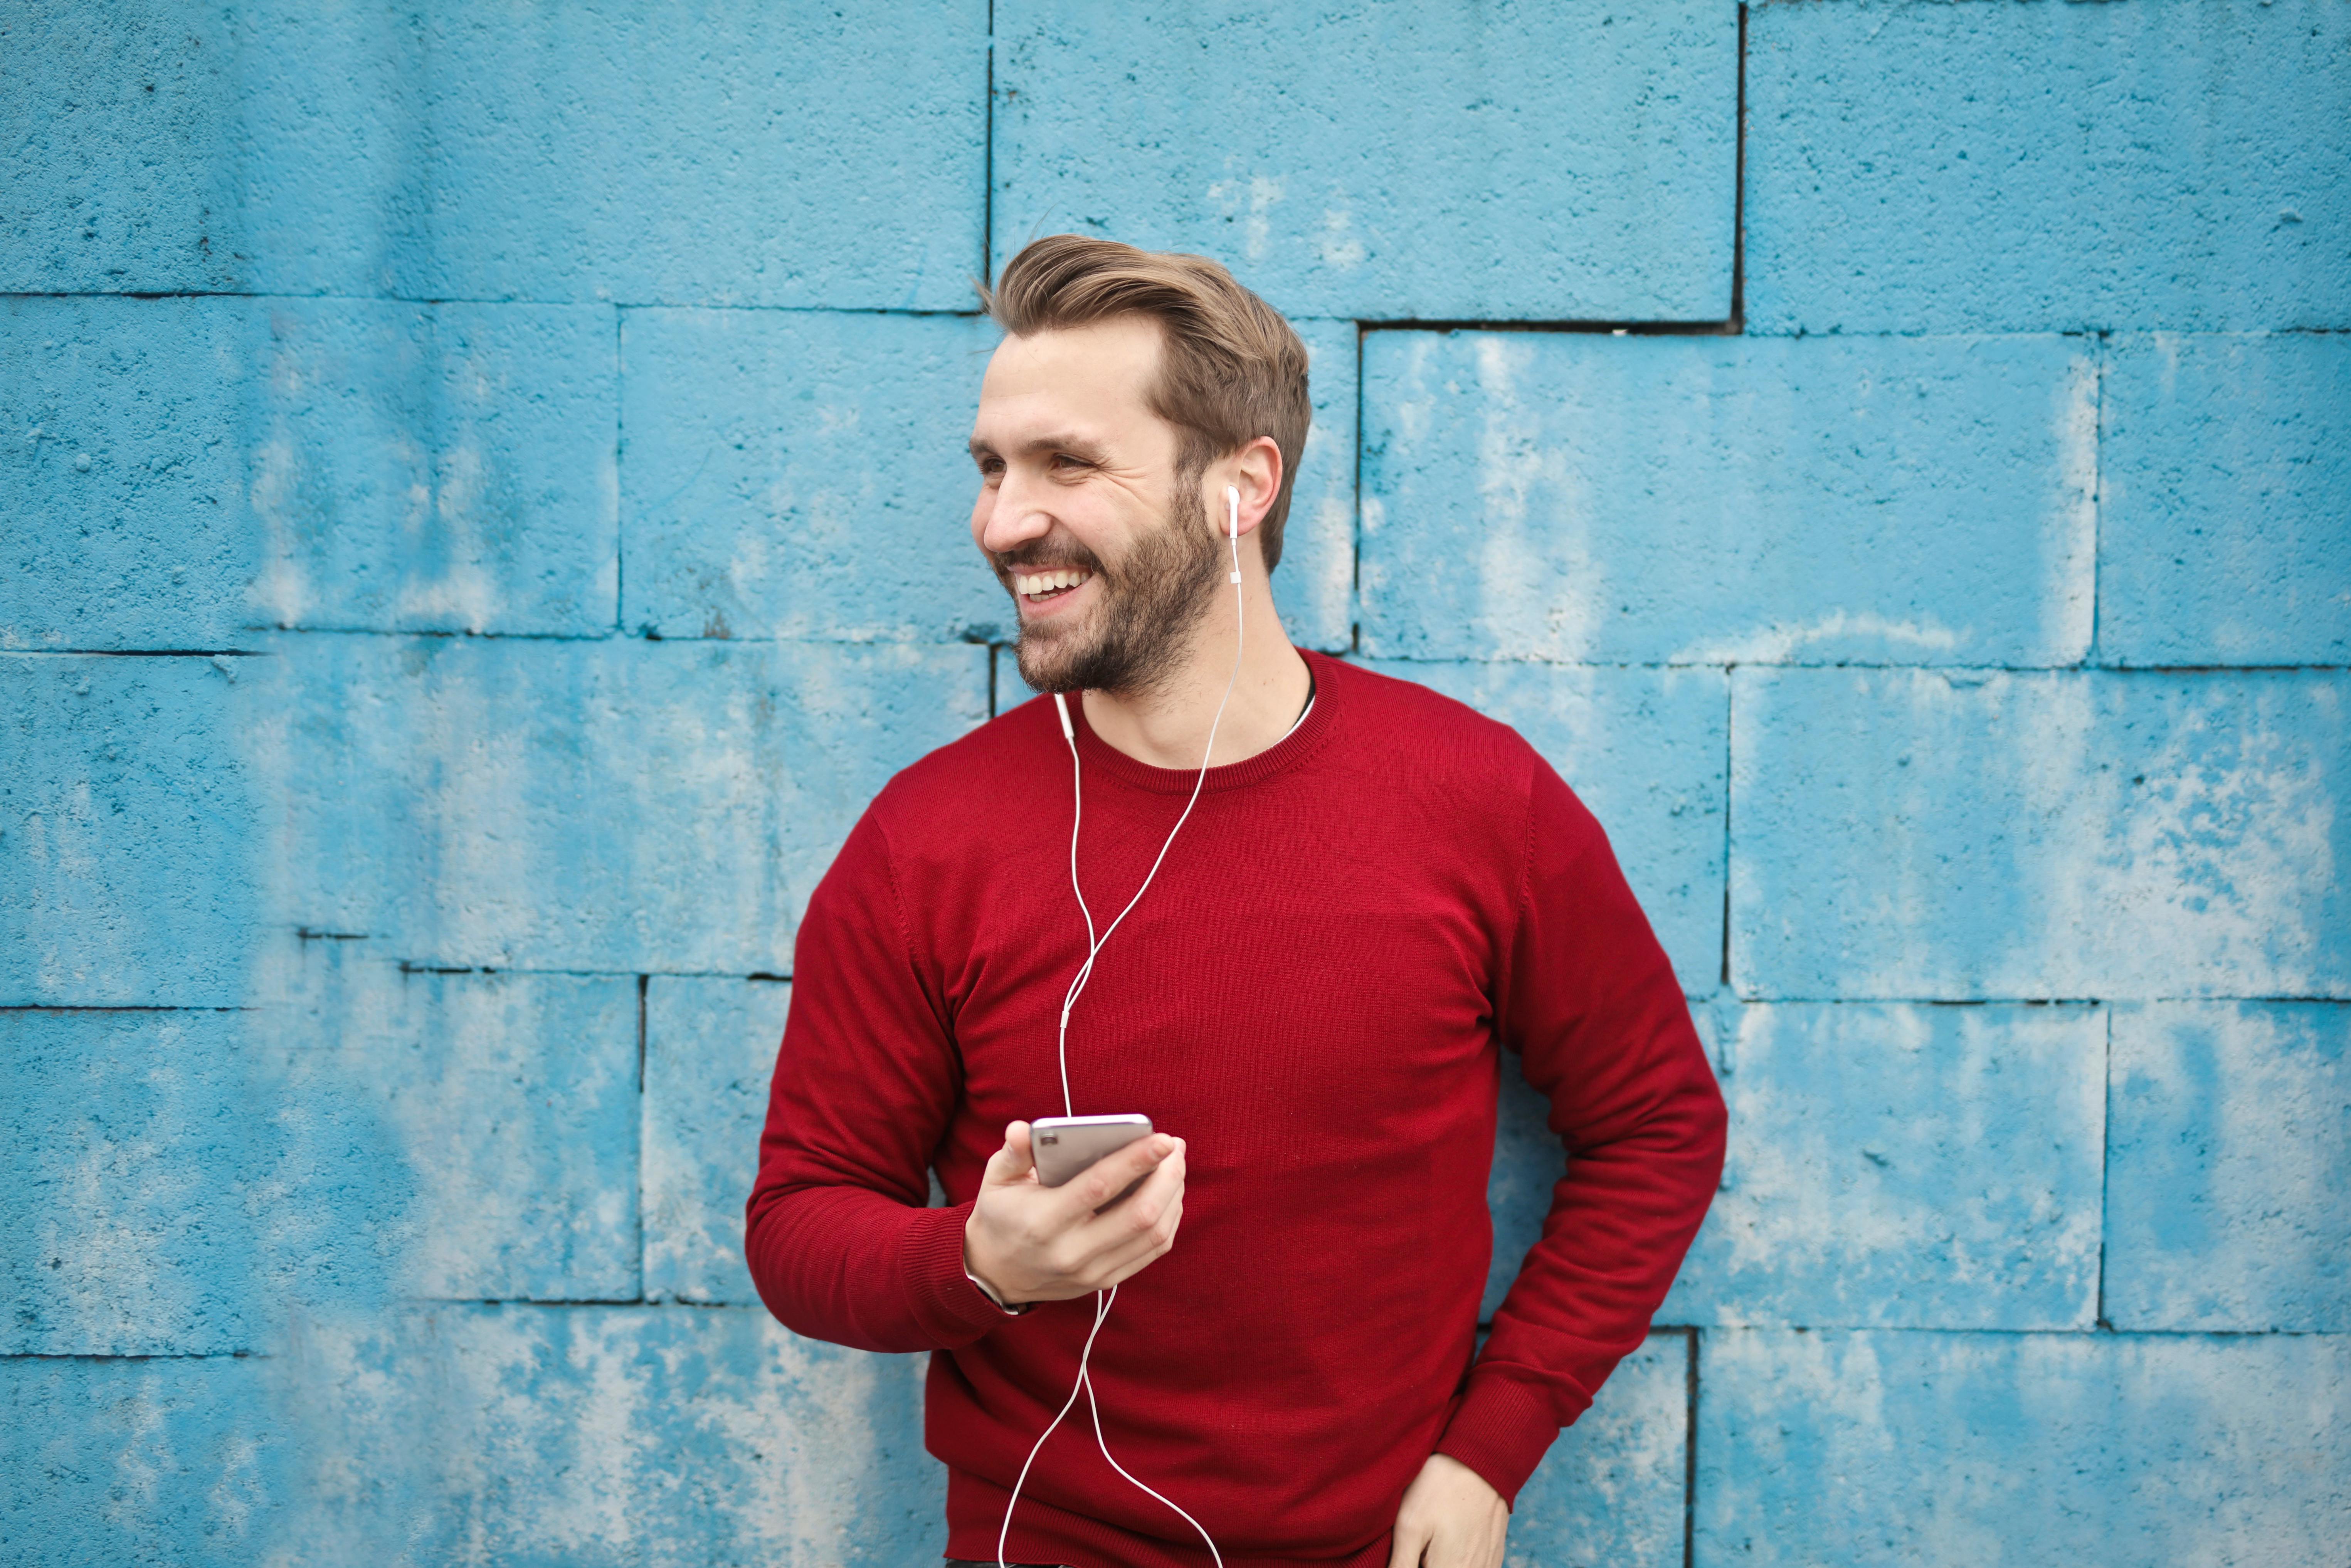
point(1044, 587)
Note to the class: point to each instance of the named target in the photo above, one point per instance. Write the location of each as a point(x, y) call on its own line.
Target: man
point(1376, 890)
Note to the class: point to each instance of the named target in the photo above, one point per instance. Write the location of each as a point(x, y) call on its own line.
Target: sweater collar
point(1330, 676)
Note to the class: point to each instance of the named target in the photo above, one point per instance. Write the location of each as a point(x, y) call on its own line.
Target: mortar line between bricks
point(622, 1304)
point(136, 1355)
point(118, 1007)
point(1689, 1417)
point(1978, 1332)
point(988, 161)
point(1504, 661)
point(1738, 323)
point(1594, 327)
point(2097, 495)
point(2215, 999)
point(1730, 756)
point(431, 301)
point(2105, 1164)
point(620, 443)
point(643, 984)
point(1356, 516)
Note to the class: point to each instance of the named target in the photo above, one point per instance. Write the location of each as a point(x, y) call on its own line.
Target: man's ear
point(1256, 471)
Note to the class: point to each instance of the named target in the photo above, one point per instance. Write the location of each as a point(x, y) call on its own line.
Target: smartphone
point(1066, 1146)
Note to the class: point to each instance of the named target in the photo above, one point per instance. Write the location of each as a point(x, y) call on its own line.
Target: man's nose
point(1016, 515)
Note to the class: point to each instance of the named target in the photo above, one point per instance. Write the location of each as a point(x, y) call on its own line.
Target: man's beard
point(1135, 634)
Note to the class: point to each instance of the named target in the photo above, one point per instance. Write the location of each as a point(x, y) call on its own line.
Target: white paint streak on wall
point(1783, 643)
point(2069, 566)
point(281, 589)
point(1516, 471)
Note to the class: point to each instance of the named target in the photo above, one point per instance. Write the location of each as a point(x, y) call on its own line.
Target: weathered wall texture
point(483, 510)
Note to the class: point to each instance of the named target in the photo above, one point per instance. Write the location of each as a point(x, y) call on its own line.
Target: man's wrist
point(1008, 1308)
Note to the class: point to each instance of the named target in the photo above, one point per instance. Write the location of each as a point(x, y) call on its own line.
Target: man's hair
point(1230, 368)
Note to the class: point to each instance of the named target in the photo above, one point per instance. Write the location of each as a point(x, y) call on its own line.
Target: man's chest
point(1256, 985)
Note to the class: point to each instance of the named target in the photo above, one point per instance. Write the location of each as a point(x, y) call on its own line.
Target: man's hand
point(1037, 1243)
point(1450, 1519)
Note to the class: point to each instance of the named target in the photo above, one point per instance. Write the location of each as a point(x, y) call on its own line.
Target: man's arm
point(838, 1238)
point(1591, 1002)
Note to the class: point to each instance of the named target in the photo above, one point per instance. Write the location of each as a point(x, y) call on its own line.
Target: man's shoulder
point(1431, 732)
point(974, 779)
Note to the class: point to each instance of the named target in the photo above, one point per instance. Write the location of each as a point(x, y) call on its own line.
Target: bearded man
point(1375, 892)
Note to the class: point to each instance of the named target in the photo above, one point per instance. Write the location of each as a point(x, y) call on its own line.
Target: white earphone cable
point(1103, 1300)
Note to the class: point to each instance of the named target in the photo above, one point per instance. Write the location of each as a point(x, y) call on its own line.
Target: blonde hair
point(1230, 370)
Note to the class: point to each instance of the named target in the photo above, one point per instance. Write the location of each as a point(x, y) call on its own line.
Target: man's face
point(1078, 513)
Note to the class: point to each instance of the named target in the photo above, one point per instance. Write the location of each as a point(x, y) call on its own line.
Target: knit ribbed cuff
point(952, 1310)
point(1501, 1431)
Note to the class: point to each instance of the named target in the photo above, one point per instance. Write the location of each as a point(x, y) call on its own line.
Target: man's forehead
point(1077, 377)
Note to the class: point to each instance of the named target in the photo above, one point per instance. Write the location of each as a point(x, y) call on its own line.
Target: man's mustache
point(1039, 560)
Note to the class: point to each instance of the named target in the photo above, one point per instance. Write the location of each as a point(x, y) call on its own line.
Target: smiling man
point(1376, 892)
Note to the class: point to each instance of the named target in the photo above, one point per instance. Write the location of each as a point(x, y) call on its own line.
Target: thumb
point(1015, 1159)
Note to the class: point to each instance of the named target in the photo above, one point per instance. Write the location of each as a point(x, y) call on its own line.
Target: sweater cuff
point(1501, 1431)
point(951, 1309)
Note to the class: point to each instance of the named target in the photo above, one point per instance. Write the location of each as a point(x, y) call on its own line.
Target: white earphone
point(1103, 1299)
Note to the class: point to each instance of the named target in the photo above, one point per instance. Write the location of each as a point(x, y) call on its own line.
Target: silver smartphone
point(1066, 1146)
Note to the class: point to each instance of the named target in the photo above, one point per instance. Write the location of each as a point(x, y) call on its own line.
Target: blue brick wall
point(481, 508)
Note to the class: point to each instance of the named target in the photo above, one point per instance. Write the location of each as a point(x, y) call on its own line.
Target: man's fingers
point(1127, 1257)
point(1015, 1160)
point(1110, 1229)
point(1407, 1544)
point(1113, 1174)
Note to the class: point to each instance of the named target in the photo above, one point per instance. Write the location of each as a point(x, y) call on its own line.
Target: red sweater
point(1313, 994)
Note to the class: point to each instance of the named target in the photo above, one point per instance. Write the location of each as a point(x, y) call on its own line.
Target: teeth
point(1032, 584)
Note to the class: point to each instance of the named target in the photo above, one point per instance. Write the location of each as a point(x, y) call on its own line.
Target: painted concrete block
point(710, 1053)
point(177, 471)
point(1416, 161)
point(1964, 834)
point(505, 1108)
point(125, 820)
point(1905, 1168)
point(128, 1142)
point(173, 1460)
point(724, 157)
point(2224, 510)
point(1612, 1488)
point(122, 507)
point(119, 124)
point(669, 1436)
point(1314, 584)
point(2226, 1167)
point(1647, 750)
point(621, 806)
point(804, 476)
point(1933, 168)
point(434, 468)
point(1916, 1449)
point(1577, 496)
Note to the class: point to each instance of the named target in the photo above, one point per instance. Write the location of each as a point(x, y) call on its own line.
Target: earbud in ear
point(1232, 511)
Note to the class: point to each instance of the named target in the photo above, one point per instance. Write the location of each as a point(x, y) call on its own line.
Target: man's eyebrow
point(1065, 441)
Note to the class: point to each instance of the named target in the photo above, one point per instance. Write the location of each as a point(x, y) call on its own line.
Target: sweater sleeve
point(1589, 999)
point(838, 1236)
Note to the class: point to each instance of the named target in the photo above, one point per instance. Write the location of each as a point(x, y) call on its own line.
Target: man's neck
point(1168, 725)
